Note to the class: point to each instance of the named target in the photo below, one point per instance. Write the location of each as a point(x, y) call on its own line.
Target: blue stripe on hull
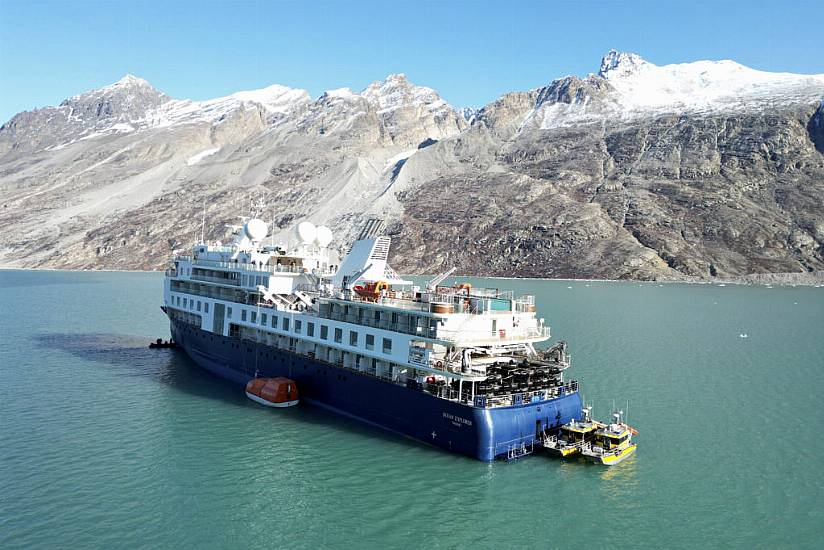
point(476, 432)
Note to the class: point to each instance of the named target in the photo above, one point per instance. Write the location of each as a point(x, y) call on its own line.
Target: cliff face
point(708, 169)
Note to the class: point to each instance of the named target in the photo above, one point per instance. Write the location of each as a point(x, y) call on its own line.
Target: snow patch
point(391, 162)
point(122, 127)
point(642, 89)
point(194, 159)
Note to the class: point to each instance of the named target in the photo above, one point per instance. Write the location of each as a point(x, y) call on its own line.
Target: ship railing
point(474, 292)
point(487, 401)
point(516, 447)
point(218, 280)
point(408, 301)
point(369, 321)
point(250, 266)
point(534, 333)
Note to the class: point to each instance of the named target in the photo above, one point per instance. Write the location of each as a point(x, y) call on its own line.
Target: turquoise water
point(105, 443)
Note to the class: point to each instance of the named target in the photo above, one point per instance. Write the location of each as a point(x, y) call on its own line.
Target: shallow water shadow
point(131, 356)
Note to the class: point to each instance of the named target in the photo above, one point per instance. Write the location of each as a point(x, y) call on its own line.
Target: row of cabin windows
point(310, 327)
point(310, 330)
point(408, 322)
point(253, 280)
point(189, 303)
point(377, 315)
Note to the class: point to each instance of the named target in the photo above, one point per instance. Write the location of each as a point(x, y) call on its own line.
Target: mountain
point(696, 170)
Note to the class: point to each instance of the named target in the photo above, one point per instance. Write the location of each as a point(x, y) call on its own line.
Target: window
point(370, 341)
point(394, 317)
point(262, 318)
point(377, 315)
point(185, 302)
point(198, 305)
point(229, 312)
point(178, 300)
point(274, 321)
point(206, 307)
point(286, 323)
point(338, 335)
point(324, 332)
point(298, 325)
point(242, 314)
point(387, 345)
point(244, 281)
point(353, 338)
point(310, 329)
point(254, 316)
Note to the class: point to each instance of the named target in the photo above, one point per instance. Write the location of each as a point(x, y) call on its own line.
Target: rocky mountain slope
point(700, 170)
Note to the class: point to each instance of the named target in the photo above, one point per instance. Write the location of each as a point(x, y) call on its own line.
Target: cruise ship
point(453, 366)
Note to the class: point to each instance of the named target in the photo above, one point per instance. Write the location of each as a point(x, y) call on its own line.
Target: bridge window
point(370, 341)
point(324, 332)
point(353, 338)
point(298, 325)
point(338, 335)
point(242, 314)
point(263, 319)
point(387, 345)
point(310, 329)
point(286, 323)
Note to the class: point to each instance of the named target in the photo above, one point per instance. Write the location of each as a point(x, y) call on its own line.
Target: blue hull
point(482, 433)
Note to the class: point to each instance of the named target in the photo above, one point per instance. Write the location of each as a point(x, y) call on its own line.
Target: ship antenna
point(203, 223)
point(273, 226)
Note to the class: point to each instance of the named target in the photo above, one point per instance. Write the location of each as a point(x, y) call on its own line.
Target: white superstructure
point(357, 313)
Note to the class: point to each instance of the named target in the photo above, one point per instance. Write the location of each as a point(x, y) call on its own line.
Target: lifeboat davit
point(273, 392)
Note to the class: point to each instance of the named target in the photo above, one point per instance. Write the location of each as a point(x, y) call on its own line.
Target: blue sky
point(470, 51)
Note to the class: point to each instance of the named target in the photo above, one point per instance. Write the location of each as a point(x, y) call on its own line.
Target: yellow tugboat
point(573, 436)
point(611, 444)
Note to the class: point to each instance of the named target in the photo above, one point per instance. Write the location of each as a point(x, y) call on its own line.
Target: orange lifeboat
point(371, 291)
point(273, 392)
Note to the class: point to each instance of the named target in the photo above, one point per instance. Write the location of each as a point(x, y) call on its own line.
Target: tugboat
point(273, 392)
point(611, 444)
point(573, 435)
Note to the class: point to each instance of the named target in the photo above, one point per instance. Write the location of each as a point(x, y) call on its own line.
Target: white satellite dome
point(306, 232)
point(324, 236)
point(256, 229)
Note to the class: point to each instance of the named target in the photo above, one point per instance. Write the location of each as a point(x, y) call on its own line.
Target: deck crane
point(433, 284)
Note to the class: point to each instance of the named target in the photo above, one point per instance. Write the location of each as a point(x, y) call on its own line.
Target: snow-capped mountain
point(628, 87)
point(700, 169)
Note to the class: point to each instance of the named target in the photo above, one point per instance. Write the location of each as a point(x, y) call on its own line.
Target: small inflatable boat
point(273, 392)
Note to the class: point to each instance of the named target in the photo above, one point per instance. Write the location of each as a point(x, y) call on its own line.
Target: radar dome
point(306, 232)
point(256, 229)
point(324, 236)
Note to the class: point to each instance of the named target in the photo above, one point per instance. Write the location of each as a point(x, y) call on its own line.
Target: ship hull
point(481, 433)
